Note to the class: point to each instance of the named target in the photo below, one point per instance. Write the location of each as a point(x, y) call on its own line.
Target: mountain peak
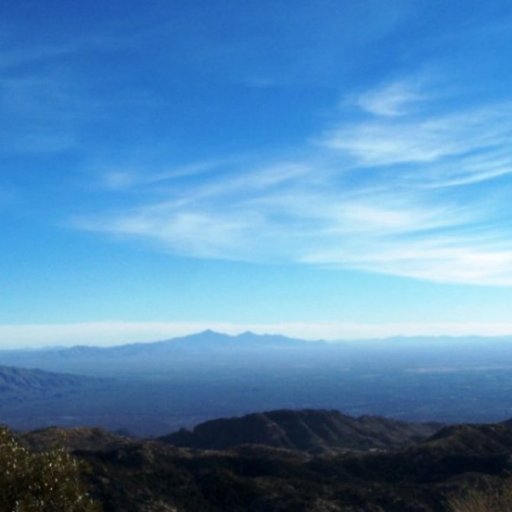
point(208, 332)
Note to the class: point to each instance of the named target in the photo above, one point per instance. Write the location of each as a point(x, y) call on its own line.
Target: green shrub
point(39, 481)
point(491, 500)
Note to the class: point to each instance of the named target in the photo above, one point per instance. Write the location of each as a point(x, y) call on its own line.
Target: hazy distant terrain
point(20, 386)
point(156, 388)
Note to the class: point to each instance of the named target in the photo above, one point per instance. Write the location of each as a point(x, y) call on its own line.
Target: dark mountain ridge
point(306, 430)
point(423, 476)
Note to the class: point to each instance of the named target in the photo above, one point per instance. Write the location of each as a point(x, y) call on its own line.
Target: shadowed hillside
point(308, 430)
point(458, 468)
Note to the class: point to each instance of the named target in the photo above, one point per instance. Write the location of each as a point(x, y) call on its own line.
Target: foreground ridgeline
point(279, 461)
point(313, 431)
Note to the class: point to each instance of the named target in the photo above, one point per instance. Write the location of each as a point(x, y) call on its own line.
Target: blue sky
point(328, 169)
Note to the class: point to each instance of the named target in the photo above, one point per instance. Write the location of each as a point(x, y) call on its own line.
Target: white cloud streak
point(405, 192)
point(392, 100)
point(383, 142)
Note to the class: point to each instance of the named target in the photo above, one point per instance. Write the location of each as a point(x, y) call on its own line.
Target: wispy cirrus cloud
point(422, 139)
point(36, 115)
point(44, 105)
point(394, 99)
point(124, 179)
point(393, 190)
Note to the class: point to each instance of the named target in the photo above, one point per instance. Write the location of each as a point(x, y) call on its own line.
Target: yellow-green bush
point(39, 481)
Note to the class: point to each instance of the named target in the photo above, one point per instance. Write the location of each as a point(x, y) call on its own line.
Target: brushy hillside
point(462, 468)
point(40, 481)
point(497, 499)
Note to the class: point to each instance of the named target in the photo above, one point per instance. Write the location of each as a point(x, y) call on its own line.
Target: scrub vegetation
point(490, 500)
point(32, 481)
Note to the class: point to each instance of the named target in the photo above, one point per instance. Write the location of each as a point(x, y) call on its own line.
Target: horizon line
point(117, 333)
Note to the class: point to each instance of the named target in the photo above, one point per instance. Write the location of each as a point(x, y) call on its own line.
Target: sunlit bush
point(491, 500)
point(39, 481)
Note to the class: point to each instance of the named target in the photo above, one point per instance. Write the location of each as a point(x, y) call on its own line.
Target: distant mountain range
point(210, 349)
point(154, 388)
point(207, 347)
point(457, 467)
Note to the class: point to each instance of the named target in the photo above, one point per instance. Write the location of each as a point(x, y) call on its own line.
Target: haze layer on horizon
point(340, 169)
